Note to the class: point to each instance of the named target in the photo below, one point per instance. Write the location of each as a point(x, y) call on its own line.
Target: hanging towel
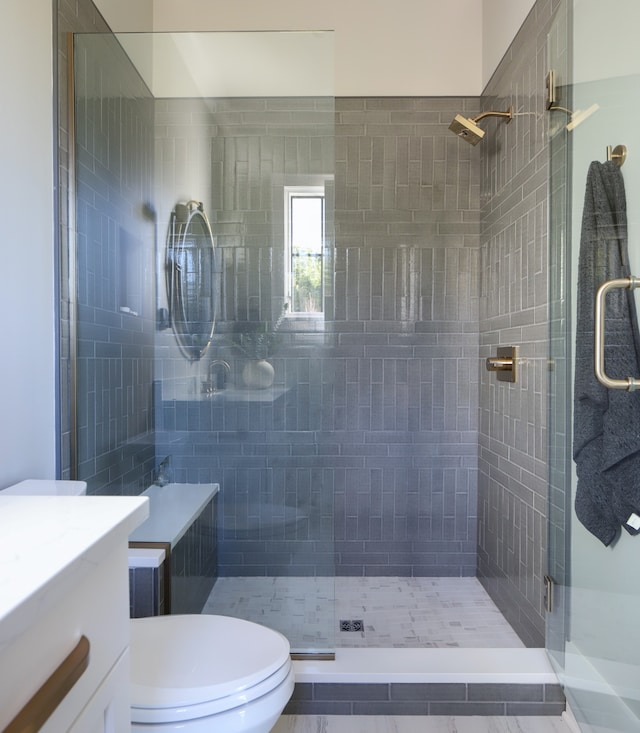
point(606, 423)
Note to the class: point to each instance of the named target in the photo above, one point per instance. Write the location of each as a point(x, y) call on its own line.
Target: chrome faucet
point(216, 378)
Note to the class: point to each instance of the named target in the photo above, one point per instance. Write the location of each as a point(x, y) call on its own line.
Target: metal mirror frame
point(190, 274)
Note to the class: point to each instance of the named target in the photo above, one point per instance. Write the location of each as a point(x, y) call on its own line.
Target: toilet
point(207, 674)
point(198, 673)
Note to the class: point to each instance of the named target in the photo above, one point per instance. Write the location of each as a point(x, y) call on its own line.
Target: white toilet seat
point(186, 667)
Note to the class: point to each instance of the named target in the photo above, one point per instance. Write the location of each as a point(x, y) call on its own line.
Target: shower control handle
point(504, 364)
point(496, 364)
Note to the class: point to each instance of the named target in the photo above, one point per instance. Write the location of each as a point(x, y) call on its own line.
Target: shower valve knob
point(504, 364)
point(496, 364)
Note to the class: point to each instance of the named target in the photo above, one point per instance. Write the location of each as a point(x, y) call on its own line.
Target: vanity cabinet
point(64, 576)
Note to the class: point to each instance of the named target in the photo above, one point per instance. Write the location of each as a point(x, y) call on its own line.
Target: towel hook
point(618, 154)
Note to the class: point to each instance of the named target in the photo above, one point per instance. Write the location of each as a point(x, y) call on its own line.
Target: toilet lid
point(191, 659)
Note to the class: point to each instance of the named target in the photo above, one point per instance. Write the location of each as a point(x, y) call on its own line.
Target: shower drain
point(352, 625)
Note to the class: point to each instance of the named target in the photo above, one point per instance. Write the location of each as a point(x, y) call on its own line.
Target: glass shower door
point(559, 374)
point(249, 414)
point(239, 126)
point(594, 643)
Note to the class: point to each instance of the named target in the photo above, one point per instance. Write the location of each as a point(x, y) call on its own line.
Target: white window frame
point(291, 192)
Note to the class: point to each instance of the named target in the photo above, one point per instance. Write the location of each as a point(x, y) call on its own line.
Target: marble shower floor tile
point(395, 612)
point(415, 724)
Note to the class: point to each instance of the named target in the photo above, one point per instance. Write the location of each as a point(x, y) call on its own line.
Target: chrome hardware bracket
point(549, 583)
point(630, 384)
point(618, 154)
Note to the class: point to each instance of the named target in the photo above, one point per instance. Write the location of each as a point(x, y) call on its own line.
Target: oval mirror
point(191, 279)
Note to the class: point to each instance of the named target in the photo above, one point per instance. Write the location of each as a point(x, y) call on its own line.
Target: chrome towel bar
point(628, 383)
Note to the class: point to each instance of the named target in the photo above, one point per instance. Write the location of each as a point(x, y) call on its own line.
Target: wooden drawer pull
point(39, 708)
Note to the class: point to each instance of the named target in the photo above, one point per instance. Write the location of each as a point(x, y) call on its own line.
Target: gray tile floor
point(396, 612)
point(411, 724)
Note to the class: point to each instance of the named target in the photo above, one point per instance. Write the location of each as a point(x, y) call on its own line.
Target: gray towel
point(606, 422)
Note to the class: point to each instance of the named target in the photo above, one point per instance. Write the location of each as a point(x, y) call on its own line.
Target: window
point(304, 244)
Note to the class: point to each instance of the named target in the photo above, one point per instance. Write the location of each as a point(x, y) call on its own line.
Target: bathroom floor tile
point(395, 612)
point(415, 724)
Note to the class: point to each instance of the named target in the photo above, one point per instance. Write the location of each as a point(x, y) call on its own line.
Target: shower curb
point(411, 698)
point(450, 681)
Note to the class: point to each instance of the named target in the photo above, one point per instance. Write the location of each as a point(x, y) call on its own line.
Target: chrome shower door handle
point(628, 383)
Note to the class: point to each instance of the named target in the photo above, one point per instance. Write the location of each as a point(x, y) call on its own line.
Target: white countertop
point(173, 509)
point(47, 542)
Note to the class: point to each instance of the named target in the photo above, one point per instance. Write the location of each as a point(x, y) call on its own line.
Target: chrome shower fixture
point(467, 127)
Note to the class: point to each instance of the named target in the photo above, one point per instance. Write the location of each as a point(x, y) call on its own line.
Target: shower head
point(580, 116)
point(467, 127)
point(576, 117)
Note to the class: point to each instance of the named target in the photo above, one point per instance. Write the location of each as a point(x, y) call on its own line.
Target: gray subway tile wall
point(512, 479)
point(383, 406)
point(146, 592)
point(114, 246)
point(79, 16)
point(425, 699)
point(193, 562)
point(378, 421)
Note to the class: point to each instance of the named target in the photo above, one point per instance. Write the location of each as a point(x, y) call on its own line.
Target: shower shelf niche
point(187, 390)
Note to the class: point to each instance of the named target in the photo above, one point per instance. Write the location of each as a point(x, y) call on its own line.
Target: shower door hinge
point(552, 89)
point(548, 593)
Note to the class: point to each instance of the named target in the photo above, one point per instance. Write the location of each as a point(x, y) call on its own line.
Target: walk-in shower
point(384, 464)
point(346, 262)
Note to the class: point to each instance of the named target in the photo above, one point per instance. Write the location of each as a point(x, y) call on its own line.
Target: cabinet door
point(96, 605)
point(108, 710)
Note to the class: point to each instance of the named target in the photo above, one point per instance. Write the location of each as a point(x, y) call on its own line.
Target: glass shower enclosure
point(239, 127)
point(592, 631)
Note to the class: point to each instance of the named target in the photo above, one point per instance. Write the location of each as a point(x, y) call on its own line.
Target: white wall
point(27, 366)
point(501, 20)
point(234, 64)
point(401, 48)
point(595, 27)
point(406, 47)
point(130, 15)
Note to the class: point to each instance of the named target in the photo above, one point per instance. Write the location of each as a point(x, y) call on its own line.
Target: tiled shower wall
point(379, 416)
point(115, 265)
point(397, 477)
point(69, 17)
point(115, 260)
point(407, 209)
point(514, 311)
